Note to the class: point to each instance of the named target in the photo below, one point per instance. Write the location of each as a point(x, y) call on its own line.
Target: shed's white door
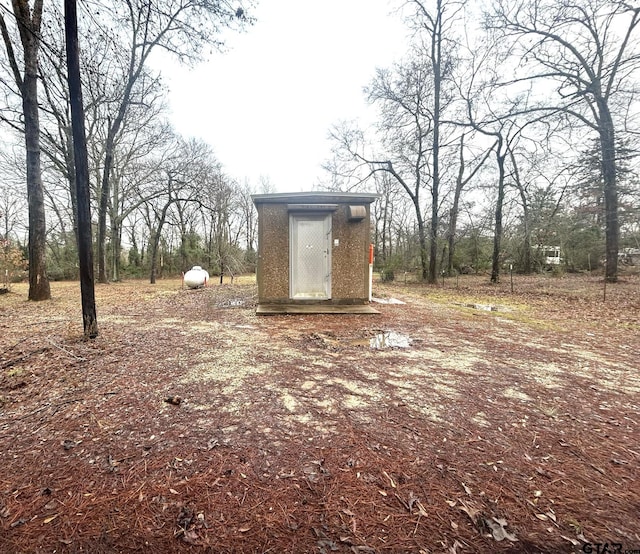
point(310, 256)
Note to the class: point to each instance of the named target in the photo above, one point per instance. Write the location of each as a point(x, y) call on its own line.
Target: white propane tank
point(196, 277)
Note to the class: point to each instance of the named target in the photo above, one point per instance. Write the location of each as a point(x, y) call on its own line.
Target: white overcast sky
point(267, 104)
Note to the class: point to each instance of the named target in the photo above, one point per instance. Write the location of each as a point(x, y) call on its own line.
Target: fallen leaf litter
point(190, 422)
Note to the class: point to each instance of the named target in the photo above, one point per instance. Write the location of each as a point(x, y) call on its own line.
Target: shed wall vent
point(356, 213)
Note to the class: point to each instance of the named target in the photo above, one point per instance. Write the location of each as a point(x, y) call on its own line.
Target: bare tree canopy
point(181, 27)
point(28, 20)
point(587, 49)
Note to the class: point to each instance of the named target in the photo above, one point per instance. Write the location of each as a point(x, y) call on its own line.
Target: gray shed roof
point(315, 197)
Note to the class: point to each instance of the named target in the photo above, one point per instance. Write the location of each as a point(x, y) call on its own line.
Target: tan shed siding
point(273, 252)
point(350, 258)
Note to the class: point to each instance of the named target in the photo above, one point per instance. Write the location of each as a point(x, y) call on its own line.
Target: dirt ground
point(468, 419)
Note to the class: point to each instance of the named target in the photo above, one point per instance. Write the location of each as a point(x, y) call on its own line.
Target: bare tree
point(388, 212)
point(541, 177)
point(412, 97)
point(503, 130)
point(587, 49)
point(180, 27)
point(249, 216)
point(28, 20)
point(437, 24)
point(169, 184)
point(462, 180)
point(12, 201)
point(385, 213)
point(406, 127)
point(199, 166)
point(223, 219)
point(142, 135)
point(138, 134)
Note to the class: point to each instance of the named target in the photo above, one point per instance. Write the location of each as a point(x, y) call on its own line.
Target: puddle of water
point(389, 339)
point(386, 339)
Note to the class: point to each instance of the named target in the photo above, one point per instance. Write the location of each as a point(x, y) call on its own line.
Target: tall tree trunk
point(608, 147)
point(103, 205)
point(105, 186)
point(422, 238)
point(116, 246)
point(83, 235)
point(453, 225)
point(153, 256)
point(461, 182)
point(436, 60)
point(526, 255)
point(29, 22)
point(433, 239)
point(497, 236)
point(526, 246)
point(455, 206)
point(184, 258)
point(116, 232)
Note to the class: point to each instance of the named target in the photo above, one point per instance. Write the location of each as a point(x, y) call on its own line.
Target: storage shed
point(313, 252)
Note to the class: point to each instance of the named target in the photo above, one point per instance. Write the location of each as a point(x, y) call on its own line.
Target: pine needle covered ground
point(469, 419)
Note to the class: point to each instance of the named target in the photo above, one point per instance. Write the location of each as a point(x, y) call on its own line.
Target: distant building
point(629, 256)
point(551, 255)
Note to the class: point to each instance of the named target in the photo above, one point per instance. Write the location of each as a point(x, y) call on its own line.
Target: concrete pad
point(275, 309)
